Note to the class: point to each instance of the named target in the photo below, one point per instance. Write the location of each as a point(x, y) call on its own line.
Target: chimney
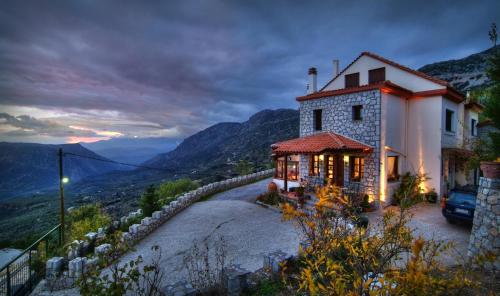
point(312, 87)
point(335, 68)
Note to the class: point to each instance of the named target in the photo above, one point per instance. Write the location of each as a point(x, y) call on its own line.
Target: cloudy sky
point(87, 70)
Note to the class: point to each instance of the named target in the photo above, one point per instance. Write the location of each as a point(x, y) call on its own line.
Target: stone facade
point(337, 118)
point(485, 235)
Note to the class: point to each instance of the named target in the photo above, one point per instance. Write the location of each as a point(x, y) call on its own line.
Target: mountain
point(464, 74)
point(28, 167)
point(132, 150)
point(219, 147)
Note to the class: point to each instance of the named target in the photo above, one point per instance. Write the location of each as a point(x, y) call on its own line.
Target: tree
point(244, 167)
point(492, 110)
point(493, 34)
point(149, 201)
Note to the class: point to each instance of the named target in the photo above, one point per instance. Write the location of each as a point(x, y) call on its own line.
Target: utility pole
point(61, 193)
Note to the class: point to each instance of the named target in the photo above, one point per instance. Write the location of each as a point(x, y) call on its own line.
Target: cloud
point(173, 68)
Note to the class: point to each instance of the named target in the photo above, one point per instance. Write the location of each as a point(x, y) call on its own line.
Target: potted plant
point(431, 196)
point(491, 169)
point(366, 206)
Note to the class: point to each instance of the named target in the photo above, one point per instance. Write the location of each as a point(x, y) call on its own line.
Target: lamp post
point(62, 180)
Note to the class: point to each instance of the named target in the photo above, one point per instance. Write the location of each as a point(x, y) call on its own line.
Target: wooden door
point(334, 170)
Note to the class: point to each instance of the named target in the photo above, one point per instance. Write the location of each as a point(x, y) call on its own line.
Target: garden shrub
point(269, 198)
point(409, 189)
point(85, 219)
point(168, 191)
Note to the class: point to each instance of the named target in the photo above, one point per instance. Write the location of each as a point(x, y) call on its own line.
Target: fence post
point(9, 290)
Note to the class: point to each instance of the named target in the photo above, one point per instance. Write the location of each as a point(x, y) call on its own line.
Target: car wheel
point(451, 221)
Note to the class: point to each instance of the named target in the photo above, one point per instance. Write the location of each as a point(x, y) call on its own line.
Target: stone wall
point(337, 117)
point(80, 255)
point(485, 235)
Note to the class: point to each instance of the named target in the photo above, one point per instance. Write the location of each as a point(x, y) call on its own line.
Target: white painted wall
point(394, 74)
point(393, 140)
point(452, 139)
point(424, 139)
point(281, 183)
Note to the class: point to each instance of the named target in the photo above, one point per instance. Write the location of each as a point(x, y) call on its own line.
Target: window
point(357, 168)
point(449, 120)
point(317, 119)
point(376, 75)
point(329, 166)
point(392, 168)
point(473, 130)
point(351, 80)
point(356, 112)
point(292, 170)
point(314, 165)
point(279, 169)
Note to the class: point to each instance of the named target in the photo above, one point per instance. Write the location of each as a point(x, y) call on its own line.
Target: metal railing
point(20, 276)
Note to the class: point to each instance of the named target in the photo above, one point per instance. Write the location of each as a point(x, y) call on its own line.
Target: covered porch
point(324, 158)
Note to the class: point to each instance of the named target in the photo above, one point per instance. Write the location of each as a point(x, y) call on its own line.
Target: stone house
point(374, 121)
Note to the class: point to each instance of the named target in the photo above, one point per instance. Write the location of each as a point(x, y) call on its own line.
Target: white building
point(374, 121)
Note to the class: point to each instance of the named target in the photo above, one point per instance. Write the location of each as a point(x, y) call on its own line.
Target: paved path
point(249, 230)
point(429, 223)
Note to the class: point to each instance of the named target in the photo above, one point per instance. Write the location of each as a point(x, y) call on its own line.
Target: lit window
point(449, 120)
point(279, 169)
point(392, 168)
point(357, 168)
point(292, 170)
point(314, 166)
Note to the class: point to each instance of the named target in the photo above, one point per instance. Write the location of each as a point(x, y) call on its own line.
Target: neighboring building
point(373, 122)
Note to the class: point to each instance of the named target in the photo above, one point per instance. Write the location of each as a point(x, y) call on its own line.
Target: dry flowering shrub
point(383, 259)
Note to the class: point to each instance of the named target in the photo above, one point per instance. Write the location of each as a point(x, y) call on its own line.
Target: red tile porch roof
point(318, 143)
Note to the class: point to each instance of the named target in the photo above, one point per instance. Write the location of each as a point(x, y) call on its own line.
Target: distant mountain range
point(132, 150)
point(27, 167)
point(222, 145)
point(464, 74)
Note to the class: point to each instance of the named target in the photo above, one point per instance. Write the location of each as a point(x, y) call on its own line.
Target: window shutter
point(352, 80)
point(376, 75)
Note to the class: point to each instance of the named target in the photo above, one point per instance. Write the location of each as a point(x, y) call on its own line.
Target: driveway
point(429, 223)
point(250, 231)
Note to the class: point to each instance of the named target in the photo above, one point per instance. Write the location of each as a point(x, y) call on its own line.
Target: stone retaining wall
point(77, 261)
point(485, 235)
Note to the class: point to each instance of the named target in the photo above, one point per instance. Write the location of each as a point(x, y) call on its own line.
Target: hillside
point(132, 150)
point(221, 146)
point(464, 74)
point(28, 167)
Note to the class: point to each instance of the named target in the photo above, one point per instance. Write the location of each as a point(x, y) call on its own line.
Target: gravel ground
point(249, 230)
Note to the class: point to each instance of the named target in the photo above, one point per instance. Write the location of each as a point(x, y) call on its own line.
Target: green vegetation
point(149, 201)
point(269, 198)
point(168, 191)
point(154, 198)
point(244, 167)
point(85, 219)
point(409, 190)
point(492, 104)
point(385, 260)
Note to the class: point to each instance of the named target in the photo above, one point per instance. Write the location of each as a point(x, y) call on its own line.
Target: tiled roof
point(318, 143)
point(391, 88)
point(387, 86)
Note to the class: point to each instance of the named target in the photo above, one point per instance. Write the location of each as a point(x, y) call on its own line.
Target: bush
point(409, 191)
point(149, 201)
point(85, 219)
point(269, 198)
point(168, 191)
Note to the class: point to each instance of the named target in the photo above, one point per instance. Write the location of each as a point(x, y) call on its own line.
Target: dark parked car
point(459, 206)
